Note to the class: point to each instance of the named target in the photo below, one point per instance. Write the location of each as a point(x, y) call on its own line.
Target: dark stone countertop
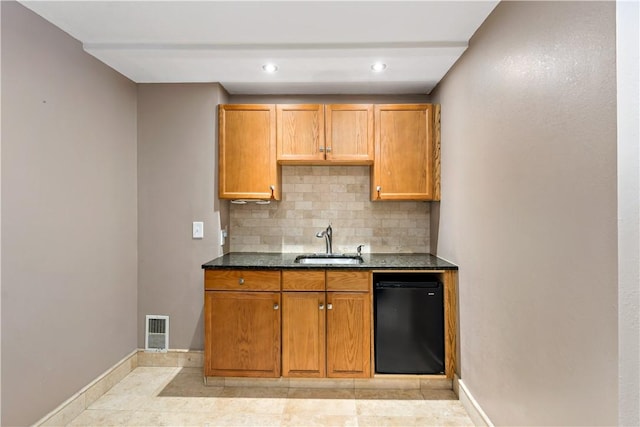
point(279, 261)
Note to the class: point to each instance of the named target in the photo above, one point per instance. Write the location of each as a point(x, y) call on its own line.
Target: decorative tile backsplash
point(313, 197)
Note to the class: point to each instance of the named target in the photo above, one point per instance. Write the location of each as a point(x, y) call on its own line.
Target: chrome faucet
point(327, 234)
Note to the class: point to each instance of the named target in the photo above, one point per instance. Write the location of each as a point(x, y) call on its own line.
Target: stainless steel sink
point(328, 259)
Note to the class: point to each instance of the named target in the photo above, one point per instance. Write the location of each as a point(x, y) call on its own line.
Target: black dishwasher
point(408, 323)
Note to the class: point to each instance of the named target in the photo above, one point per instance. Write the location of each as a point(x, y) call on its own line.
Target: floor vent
point(157, 333)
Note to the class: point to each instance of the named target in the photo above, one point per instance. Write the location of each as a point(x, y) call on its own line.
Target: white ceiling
point(320, 47)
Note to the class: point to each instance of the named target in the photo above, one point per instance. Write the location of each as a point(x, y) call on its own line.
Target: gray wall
point(69, 229)
point(177, 182)
point(529, 212)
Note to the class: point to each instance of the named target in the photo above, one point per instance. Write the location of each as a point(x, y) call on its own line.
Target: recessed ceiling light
point(270, 68)
point(378, 67)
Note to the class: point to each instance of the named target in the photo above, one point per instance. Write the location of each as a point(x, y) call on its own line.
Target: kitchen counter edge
point(282, 261)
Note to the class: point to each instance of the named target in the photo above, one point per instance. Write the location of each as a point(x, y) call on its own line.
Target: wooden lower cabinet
point(303, 334)
point(348, 335)
point(326, 334)
point(299, 323)
point(242, 334)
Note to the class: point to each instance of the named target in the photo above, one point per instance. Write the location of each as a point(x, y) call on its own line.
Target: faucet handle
point(359, 250)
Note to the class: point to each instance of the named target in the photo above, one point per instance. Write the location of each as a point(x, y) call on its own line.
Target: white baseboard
point(477, 415)
point(80, 401)
point(175, 358)
point(73, 406)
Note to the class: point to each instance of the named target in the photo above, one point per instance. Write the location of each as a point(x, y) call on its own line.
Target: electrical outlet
point(198, 230)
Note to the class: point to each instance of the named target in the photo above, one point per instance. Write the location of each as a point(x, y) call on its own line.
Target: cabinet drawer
point(357, 281)
point(307, 280)
point(242, 280)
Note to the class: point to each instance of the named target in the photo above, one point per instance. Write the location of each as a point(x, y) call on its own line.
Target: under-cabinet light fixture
point(245, 201)
point(378, 67)
point(270, 68)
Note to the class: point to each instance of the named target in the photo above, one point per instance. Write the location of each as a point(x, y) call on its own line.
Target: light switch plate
point(198, 229)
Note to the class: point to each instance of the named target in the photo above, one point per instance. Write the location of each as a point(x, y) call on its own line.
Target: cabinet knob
point(328, 149)
point(329, 306)
point(241, 281)
point(276, 306)
point(321, 306)
point(322, 149)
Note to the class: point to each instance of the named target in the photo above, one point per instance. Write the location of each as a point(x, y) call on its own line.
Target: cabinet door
point(300, 132)
point(242, 334)
point(348, 335)
point(349, 133)
point(404, 154)
point(247, 152)
point(303, 334)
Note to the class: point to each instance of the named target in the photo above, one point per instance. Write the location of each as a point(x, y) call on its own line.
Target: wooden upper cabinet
point(300, 132)
point(325, 134)
point(400, 141)
point(349, 133)
point(247, 152)
point(407, 157)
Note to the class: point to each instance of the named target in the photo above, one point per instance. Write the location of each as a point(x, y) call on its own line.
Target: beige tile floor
point(178, 397)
